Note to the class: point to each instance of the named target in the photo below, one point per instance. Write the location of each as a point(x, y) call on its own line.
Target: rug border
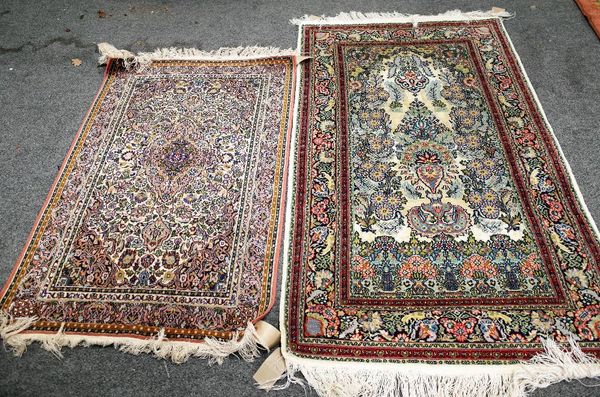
point(61, 169)
point(277, 255)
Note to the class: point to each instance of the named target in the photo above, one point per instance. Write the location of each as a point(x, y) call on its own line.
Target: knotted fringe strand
point(354, 17)
point(333, 379)
point(215, 351)
point(11, 327)
point(130, 59)
point(556, 364)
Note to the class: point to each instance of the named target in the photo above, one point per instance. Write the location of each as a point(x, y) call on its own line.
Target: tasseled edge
point(556, 364)
point(130, 59)
point(108, 52)
point(215, 351)
point(354, 17)
point(354, 379)
point(11, 327)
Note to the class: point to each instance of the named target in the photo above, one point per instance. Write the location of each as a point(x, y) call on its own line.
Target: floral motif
point(434, 173)
point(460, 329)
point(419, 122)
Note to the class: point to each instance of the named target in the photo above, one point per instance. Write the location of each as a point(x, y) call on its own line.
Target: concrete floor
point(43, 99)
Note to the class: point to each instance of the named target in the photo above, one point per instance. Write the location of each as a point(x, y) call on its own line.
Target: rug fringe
point(331, 379)
point(11, 327)
point(556, 364)
point(215, 351)
point(354, 17)
point(108, 51)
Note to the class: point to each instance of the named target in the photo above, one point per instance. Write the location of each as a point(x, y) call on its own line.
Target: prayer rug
point(164, 224)
point(437, 238)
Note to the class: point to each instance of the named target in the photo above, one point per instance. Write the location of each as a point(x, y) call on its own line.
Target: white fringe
point(353, 17)
point(108, 51)
point(215, 351)
point(130, 59)
point(358, 379)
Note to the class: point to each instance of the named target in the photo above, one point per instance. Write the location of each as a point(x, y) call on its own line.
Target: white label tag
point(268, 335)
point(271, 370)
point(302, 58)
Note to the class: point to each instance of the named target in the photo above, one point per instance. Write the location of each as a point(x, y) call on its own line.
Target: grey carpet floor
point(43, 99)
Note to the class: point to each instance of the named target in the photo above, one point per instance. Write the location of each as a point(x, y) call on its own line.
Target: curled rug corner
point(591, 10)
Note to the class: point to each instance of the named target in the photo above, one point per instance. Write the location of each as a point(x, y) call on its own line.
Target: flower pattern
point(436, 172)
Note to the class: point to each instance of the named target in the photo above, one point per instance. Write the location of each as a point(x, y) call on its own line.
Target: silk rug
point(162, 231)
point(438, 243)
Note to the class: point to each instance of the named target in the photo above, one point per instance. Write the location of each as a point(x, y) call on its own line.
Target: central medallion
point(173, 159)
point(177, 156)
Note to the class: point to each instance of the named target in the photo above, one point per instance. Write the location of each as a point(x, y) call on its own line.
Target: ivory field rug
point(163, 227)
point(438, 243)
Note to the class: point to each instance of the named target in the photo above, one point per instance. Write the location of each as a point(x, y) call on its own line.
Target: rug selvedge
point(167, 213)
point(433, 218)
